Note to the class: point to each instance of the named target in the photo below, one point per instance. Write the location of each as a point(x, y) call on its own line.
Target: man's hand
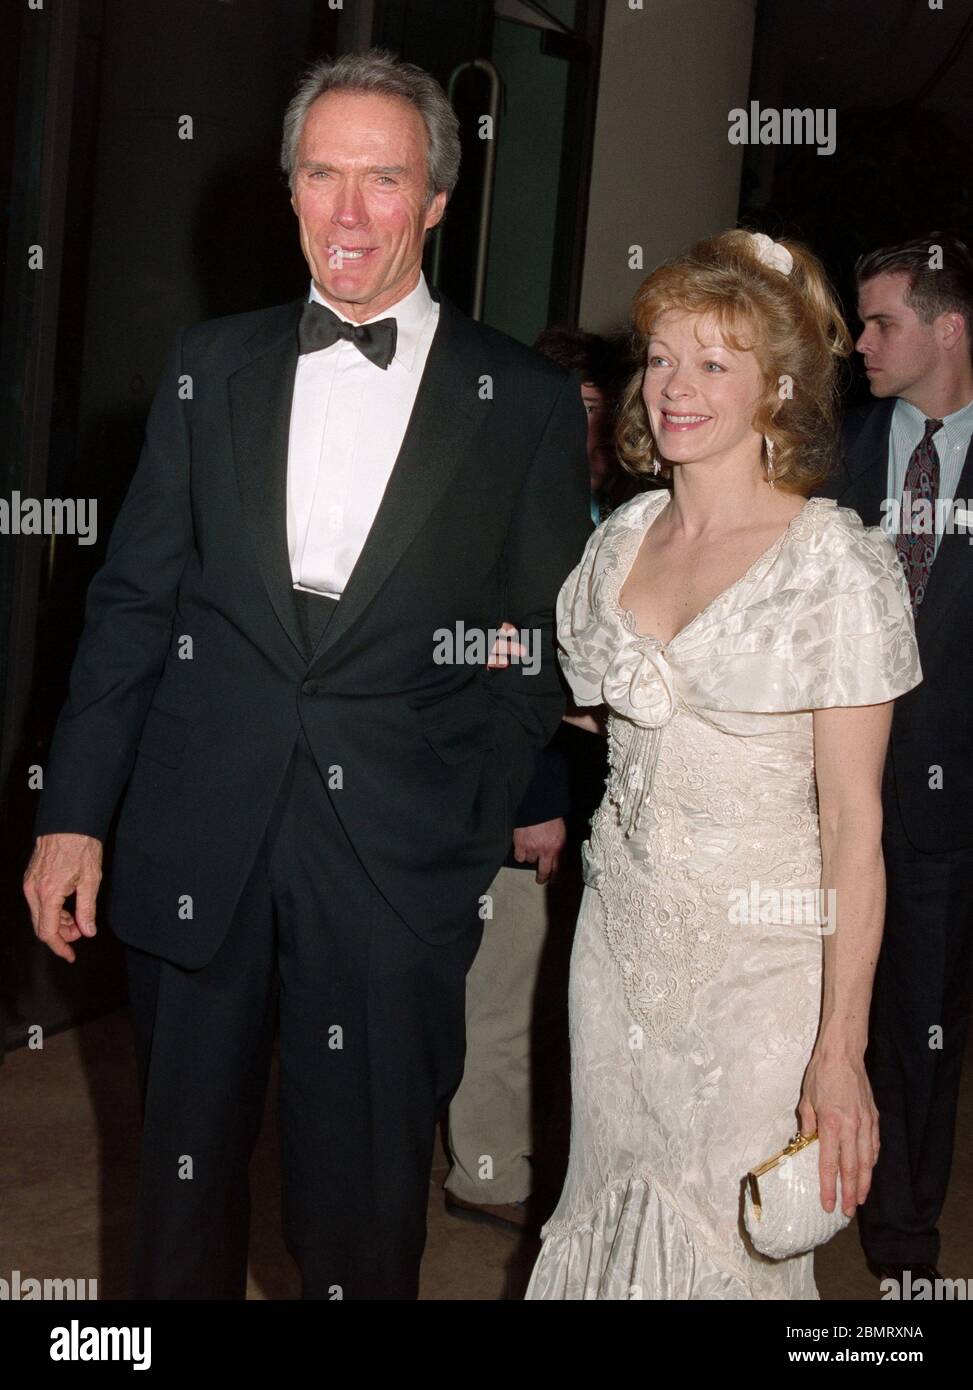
point(533, 844)
point(541, 845)
point(60, 865)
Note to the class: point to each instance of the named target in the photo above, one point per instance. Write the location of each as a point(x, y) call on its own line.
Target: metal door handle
point(486, 190)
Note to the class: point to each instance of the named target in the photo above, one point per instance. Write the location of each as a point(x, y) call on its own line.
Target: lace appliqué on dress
point(667, 941)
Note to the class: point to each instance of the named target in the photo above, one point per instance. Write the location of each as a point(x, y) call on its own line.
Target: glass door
point(522, 77)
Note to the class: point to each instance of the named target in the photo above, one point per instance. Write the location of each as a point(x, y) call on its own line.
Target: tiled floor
point(67, 1179)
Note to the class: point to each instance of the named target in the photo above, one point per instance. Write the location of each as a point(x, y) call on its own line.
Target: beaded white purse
point(782, 1209)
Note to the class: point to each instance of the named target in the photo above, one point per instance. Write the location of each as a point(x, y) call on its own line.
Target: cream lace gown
point(695, 977)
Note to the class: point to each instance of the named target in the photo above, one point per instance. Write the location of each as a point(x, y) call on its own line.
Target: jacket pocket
point(164, 737)
point(459, 726)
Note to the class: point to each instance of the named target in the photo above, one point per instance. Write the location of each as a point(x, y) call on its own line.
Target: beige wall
point(663, 173)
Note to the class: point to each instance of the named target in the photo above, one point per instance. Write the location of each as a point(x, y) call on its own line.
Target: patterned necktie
point(916, 547)
point(319, 328)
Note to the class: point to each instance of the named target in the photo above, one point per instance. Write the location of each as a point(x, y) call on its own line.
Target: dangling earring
point(655, 466)
point(769, 445)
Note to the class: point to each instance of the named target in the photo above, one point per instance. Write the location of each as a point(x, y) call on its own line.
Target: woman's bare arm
point(849, 754)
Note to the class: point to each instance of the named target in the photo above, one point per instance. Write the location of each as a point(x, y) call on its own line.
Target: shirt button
point(309, 688)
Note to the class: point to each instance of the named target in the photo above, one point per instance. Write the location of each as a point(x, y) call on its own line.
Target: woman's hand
point(837, 1101)
point(505, 648)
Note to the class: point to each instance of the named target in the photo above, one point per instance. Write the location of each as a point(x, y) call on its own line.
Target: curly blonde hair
point(792, 322)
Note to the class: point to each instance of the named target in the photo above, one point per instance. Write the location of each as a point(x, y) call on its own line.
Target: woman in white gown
point(746, 642)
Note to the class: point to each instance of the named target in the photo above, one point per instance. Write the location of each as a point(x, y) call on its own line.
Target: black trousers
point(371, 1047)
point(919, 1024)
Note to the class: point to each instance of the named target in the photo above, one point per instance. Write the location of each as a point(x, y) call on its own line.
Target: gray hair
point(380, 71)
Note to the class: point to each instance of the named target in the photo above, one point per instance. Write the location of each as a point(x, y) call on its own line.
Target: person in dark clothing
point(516, 989)
point(908, 464)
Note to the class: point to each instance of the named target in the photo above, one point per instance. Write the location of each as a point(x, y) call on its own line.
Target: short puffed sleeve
point(826, 621)
point(852, 631)
point(584, 630)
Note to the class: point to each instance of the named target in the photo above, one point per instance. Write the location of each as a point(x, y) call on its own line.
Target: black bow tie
point(319, 328)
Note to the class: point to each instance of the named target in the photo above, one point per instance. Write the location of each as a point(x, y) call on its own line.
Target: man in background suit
point(318, 792)
point(903, 454)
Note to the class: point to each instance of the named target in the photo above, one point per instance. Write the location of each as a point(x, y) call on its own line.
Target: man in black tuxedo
point(907, 457)
point(320, 785)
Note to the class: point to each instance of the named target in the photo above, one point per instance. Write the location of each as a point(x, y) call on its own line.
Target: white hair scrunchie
point(771, 252)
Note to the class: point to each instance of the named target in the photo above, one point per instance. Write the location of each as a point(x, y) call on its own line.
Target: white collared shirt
point(348, 419)
point(952, 442)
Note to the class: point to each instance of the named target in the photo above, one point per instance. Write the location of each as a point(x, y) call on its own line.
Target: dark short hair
point(605, 362)
point(932, 291)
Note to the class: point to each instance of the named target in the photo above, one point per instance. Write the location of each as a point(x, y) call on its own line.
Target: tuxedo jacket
point(928, 783)
point(192, 678)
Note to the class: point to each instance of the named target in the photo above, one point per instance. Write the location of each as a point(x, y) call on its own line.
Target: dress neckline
point(628, 617)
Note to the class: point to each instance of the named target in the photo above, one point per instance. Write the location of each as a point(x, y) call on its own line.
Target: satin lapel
point(447, 411)
point(867, 462)
point(260, 409)
point(951, 566)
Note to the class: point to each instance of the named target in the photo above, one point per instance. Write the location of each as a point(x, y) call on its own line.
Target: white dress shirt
point(952, 443)
point(348, 418)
